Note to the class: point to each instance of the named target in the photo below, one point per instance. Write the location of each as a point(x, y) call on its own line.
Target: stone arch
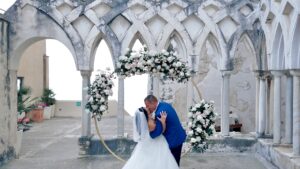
point(242, 81)
point(209, 50)
point(294, 58)
point(49, 29)
point(277, 61)
point(93, 40)
point(132, 34)
point(244, 38)
point(208, 76)
point(176, 39)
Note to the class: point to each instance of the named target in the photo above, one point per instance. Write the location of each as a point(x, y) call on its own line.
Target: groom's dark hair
point(150, 98)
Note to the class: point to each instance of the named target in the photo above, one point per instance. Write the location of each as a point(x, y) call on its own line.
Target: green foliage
point(48, 97)
point(25, 102)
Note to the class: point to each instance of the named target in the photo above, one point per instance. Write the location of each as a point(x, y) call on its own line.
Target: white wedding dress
point(149, 153)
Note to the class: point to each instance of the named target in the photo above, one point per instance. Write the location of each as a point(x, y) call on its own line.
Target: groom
point(174, 133)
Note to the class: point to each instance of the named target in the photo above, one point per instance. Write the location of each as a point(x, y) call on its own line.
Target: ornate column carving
point(225, 103)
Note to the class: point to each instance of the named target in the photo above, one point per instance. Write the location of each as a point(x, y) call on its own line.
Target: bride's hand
point(163, 117)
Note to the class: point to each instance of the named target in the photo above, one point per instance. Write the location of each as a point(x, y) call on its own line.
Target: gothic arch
point(93, 40)
point(137, 33)
point(277, 61)
point(175, 37)
point(248, 44)
point(294, 59)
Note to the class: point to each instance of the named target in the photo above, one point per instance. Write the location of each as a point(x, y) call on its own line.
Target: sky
point(66, 81)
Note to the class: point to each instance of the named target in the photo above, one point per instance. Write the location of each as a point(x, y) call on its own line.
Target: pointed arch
point(132, 34)
point(245, 39)
point(178, 45)
point(293, 61)
point(93, 40)
point(277, 55)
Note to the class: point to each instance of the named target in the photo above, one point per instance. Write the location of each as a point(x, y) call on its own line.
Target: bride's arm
point(151, 124)
point(162, 119)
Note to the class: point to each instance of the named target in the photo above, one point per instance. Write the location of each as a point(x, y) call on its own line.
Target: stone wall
point(7, 118)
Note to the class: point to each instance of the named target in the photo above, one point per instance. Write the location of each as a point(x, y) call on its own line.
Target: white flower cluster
point(98, 93)
point(165, 63)
point(201, 125)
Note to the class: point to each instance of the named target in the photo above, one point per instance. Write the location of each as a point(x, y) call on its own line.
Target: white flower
point(170, 59)
point(178, 64)
point(190, 133)
point(102, 108)
point(94, 107)
point(199, 129)
point(193, 140)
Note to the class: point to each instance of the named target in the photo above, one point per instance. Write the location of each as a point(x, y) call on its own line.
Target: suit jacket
point(174, 133)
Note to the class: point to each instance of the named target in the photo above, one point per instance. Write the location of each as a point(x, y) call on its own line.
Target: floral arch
point(166, 65)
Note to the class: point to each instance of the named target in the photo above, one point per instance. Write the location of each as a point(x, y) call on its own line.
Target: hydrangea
point(201, 125)
point(165, 63)
point(98, 93)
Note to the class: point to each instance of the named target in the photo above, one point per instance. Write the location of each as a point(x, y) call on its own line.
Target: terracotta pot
point(37, 115)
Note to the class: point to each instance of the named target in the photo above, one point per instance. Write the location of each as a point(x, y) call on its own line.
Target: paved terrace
point(53, 144)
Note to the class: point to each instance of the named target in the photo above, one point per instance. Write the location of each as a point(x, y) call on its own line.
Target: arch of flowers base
point(201, 116)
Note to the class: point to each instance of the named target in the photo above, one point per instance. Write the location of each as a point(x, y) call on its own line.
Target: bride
point(149, 153)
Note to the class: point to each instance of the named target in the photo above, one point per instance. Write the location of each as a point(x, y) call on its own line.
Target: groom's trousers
point(176, 151)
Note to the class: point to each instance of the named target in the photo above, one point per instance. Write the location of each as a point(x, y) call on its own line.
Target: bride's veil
point(140, 125)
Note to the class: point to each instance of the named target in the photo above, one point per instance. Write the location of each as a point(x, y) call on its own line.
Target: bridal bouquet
point(201, 125)
point(98, 93)
point(167, 64)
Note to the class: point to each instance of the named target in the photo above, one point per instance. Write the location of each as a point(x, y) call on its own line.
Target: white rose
point(102, 108)
point(198, 129)
point(127, 66)
point(190, 133)
point(193, 140)
point(178, 64)
point(170, 59)
point(94, 107)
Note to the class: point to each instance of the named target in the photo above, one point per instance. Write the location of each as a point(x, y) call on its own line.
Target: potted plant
point(25, 104)
point(48, 98)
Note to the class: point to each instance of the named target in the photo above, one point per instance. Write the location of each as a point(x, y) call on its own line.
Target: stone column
point(277, 106)
point(120, 118)
point(225, 103)
point(86, 116)
point(289, 109)
point(257, 103)
point(262, 106)
point(13, 108)
point(296, 112)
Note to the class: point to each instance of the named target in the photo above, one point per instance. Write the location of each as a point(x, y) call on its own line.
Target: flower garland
point(165, 63)
point(201, 125)
point(98, 93)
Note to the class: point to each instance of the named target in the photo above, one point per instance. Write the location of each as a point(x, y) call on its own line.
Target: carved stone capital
point(295, 72)
point(86, 73)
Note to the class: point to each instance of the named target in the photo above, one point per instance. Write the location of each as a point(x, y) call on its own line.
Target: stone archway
point(80, 25)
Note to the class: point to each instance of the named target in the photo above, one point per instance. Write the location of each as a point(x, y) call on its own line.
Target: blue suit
point(174, 133)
